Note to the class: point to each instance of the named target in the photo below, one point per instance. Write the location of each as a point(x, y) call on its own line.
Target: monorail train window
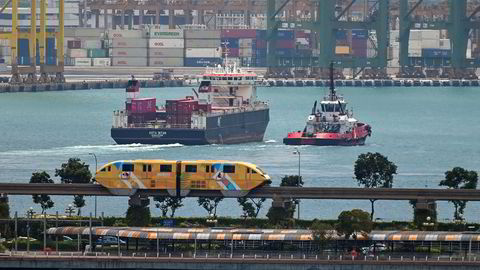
point(127, 167)
point(109, 168)
point(254, 172)
point(248, 170)
point(165, 168)
point(103, 170)
point(228, 168)
point(147, 167)
point(191, 168)
point(207, 168)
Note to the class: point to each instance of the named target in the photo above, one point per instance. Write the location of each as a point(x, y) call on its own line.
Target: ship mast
point(332, 84)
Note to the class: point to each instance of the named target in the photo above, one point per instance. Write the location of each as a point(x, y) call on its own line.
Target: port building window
point(191, 168)
point(147, 167)
point(229, 169)
point(127, 167)
point(165, 168)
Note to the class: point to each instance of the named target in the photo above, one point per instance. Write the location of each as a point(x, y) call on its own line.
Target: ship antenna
point(225, 62)
point(332, 82)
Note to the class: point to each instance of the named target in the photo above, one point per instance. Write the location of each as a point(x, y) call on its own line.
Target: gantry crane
point(31, 35)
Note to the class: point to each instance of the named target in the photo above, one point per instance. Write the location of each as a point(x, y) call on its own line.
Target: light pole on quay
point(95, 156)
point(297, 152)
point(30, 214)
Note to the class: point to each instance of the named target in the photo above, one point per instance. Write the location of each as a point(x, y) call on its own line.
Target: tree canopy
point(138, 215)
point(44, 200)
point(291, 181)
point(251, 207)
point(168, 203)
point(459, 178)
point(373, 170)
point(351, 223)
point(210, 204)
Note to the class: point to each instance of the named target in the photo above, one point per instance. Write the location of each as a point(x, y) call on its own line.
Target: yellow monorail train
point(232, 178)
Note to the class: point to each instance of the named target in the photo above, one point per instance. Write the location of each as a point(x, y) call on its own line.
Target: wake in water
point(82, 149)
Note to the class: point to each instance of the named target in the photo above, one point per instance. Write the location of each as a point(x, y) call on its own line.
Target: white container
point(129, 43)
point(415, 44)
point(129, 52)
point(415, 34)
point(87, 32)
point(394, 35)
point(159, 52)
point(101, 62)
point(163, 33)
point(245, 43)
point(202, 52)
point(202, 43)
point(202, 34)
point(83, 62)
point(431, 34)
point(92, 44)
point(77, 53)
point(166, 43)
point(129, 61)
point(165, 62)
point(414, 52)
point(430, 44)
point(112, 34)
point(445, 44)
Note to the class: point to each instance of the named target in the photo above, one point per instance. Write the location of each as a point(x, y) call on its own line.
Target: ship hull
point(324, 142)
point(232, 128)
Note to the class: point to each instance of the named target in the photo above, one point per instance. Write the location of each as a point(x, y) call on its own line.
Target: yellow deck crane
point(14, 35)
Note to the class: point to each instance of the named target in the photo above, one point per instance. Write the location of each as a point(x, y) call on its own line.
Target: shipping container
point(414, 52)
point(127, 34)
point(436, 53)
point(245, 43)
point(232, 52)
point(202, 62)
point(430, 34)
point(101, 62)
point(97, 53)
point(83, 61)
point(239, 33)
point(341, 35)
point(444, 44)
point(74, 44)
point(261, 34)
point(129, 43)
point(261, 44)
point(166, 43)
point(359, 34)
point(159, 52)
point(230, 42)
point(143, 105)
point(164, 33)
point(77, 53)
point(92, 44)
point(302, 34)
point(286, 52)
point(203, 52)
point(85, 32)
point(415, 34)
point(285, 34)
point(430, 44)
point(129, 61)
point(261, 52)
point(202, 43)
point(129, 52)
point(285, 44)
point(342, 50)
point(202, 34)
point(245, 52)
point(165, 62)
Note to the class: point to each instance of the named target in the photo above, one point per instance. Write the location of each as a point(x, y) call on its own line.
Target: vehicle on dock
point(224, 109)
point(231, 178)
point(332, 124)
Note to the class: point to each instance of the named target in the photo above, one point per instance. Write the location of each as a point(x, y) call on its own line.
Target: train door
point(248, 177)
point(208, 176)
point(146, 175)
point(178, 175)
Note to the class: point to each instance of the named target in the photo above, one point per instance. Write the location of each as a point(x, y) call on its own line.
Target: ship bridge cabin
point(228, 88)
point(339, 106)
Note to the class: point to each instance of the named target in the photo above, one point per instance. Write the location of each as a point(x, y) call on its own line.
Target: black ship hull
point(324, 142)
point(232, 128)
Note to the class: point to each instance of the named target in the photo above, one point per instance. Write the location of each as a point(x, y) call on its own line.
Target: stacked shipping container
point(128, 48)
point(202, 48)
point(165, 47)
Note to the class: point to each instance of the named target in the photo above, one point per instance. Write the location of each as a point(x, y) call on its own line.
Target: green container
point(97, 53)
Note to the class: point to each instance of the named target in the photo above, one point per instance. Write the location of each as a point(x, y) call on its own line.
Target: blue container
point(261, 34)
point(201, 61)
point(285, 34)
point(341, 35)
point(261, 62)
point(285, 52)
point(359, 34)
point(261, 52)
point(232, 42)
point(436, 53)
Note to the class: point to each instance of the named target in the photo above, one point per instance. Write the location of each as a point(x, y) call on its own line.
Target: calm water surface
point(425, 131)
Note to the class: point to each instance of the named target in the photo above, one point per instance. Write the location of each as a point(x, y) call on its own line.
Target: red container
point(205, 107)
point(143, 105)
point(285, 44)
point(301, 34)
point(232, 52)
point(239, 33)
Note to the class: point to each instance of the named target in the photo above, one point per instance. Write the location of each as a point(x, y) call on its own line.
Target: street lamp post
point(95, 156)
point(297, 152)
point(30, 214)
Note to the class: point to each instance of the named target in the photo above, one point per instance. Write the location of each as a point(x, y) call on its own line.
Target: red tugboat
point(331, 125)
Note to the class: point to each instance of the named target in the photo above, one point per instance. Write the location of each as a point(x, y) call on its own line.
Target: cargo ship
point(223, 110)
point(332, 124)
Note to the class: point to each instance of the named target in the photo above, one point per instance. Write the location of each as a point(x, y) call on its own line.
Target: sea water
point(424, 131)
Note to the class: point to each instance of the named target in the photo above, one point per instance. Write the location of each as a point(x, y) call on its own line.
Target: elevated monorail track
point(263, 192)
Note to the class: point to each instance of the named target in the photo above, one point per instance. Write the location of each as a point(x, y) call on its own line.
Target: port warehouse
point(156, 46)
point(256, 239)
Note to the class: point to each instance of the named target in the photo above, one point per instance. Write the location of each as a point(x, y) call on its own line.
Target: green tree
point(373, 170)
point(459, 178)
point(75, 172)
point(4, 208)
point(168, 203)
point(44, 200)
point(350, 223)
point(210, 204)
point(138, 216)
point(251, 207)
point(291, 181)
point(321, 232)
